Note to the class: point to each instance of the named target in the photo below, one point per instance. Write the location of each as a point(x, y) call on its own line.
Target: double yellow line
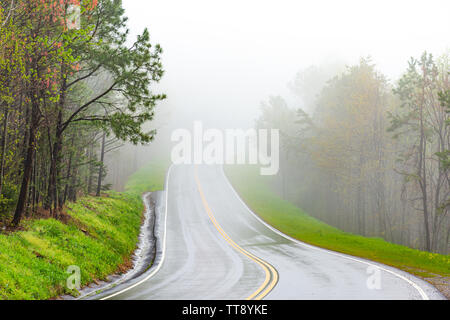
point(271, 274)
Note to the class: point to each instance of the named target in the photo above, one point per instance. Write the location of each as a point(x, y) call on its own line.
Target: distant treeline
point(72, 88)
point(369, 156)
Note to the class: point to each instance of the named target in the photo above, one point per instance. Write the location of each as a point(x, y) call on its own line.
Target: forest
point(74, 87)
point(316, 136)
point(369, 155)
point(362, 152)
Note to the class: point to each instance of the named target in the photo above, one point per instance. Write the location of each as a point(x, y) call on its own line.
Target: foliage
point(100, 236)
point(69, 93)
point(367, 155)
point(444, 156)
point(8, 199)
point(421, 123)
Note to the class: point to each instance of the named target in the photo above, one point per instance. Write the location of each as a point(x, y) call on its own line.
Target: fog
point(355, 95)
point(327, 119)
point(326, 74)
point(222, 58)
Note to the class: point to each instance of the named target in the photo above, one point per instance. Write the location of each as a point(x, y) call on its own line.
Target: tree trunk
point(3, 149)
point(100, 170)
point(69, 171)
point(34, 193)
point(423, 182)
point(28, 163)
point(55, 163)
point(91, 169)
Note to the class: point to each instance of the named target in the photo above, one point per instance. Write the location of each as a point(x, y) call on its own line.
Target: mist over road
point(217, 249)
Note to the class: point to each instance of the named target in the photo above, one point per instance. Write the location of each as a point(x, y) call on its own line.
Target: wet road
point(215, 248)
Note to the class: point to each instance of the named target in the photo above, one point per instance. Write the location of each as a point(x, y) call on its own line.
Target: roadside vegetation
point(257, 192)
point(367, 154)
point(151, 177)
point(98, 234)
point(74, 87)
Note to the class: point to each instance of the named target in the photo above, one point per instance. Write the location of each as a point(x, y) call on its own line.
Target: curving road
point(215, 248)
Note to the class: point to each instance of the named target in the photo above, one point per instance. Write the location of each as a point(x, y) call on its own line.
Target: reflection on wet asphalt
point(200, 264)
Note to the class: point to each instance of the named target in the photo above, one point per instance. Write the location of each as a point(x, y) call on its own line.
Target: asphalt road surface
point(214, 247)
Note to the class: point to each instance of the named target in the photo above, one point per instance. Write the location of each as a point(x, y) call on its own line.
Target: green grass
point(100, 237)
point(149, 178)
point(286, 217)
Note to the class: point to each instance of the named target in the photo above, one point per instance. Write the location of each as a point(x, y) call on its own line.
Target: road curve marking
point(413, 284)
point(271, 278)
point(163, 255)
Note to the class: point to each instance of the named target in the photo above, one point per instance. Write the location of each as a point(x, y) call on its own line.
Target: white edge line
point(416, 286)
point(163, 250)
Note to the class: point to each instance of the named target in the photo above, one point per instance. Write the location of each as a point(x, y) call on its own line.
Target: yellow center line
point(271, 274)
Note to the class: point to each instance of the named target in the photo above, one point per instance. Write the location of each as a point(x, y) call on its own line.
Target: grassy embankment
point(286, 217)
point(99, 238)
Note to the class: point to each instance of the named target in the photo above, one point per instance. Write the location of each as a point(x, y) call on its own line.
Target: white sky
point(222, 58)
